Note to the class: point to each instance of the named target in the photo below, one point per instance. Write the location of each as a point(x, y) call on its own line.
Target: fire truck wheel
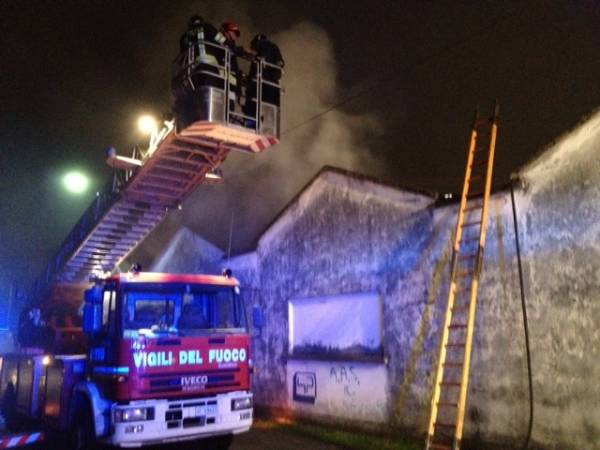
point(82, 433)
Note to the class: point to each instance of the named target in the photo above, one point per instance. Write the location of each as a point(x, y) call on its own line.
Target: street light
point(76, 182)
point(147, 124)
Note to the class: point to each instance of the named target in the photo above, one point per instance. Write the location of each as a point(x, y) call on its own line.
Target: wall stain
point(410, 372)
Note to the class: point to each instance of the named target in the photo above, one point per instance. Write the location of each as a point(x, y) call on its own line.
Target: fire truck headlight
point(133, 414)
point(241, 403)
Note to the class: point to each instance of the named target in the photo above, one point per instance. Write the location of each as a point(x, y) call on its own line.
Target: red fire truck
point(168, 360)
point(159, 357)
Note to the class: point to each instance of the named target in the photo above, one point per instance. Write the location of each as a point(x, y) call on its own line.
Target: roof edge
point(345, 173)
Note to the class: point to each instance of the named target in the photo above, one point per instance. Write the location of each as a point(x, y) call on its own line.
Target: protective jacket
point(192, 41)
point(270, 53)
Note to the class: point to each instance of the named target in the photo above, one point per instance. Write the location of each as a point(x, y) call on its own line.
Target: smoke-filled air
point(257, 187)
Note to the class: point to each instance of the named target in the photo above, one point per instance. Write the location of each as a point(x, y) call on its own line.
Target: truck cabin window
point(184, 310)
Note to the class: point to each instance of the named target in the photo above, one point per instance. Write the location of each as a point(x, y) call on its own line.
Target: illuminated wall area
point(330, 276)
point(340, 327)
point(335, 357)
point(352, 280)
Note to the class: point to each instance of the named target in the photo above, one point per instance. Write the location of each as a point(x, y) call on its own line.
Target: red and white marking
point(20, 440)
point(238, 137)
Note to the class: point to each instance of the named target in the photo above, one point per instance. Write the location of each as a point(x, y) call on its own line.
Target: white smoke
point(335, 138)
point(257, 187)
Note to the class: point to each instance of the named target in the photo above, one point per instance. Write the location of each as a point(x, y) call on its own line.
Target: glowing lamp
point(147, 124)
point(76, 182)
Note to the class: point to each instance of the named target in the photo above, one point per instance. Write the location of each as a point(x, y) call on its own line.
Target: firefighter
point(199, 54)
point(227, 35)
point(199, 66)
point(262, 48)
point(198, 29)
point(33, 331)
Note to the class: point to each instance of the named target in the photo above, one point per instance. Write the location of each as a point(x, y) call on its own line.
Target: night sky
point(405, 77)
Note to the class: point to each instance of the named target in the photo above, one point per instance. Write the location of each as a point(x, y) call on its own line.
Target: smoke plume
point(257, 187)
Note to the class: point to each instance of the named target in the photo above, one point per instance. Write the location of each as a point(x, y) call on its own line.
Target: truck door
point(103, 350)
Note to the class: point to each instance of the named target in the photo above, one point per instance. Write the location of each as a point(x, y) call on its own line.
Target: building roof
point(583, 129)
point(342, 178)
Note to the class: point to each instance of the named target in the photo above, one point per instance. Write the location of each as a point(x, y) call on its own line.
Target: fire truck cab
point(168, 359)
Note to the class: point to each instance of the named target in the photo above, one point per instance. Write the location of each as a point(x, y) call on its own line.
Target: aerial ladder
point(448, 404)
point(182, 154)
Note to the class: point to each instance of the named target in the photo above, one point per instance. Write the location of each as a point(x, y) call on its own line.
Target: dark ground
point(267, 438)
point(262, 436)
point(270, 435)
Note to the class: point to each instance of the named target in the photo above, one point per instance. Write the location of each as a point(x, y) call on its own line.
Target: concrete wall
point(559, 220)
point(348, 235)
point(338, 238)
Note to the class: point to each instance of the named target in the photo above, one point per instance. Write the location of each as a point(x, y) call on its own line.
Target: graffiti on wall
point(357, 391)
point(305, 387)
point(346, 377)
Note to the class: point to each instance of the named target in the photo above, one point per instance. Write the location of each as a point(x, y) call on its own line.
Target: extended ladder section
point(185, 153)
point(449, 400)
point(144, 188)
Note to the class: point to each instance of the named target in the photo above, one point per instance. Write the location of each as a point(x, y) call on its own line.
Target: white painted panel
point(340, 390)
point(343, 325)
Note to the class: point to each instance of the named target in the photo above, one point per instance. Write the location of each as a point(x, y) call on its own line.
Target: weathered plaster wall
point(560, 210)
point(559, 220)
point(405, 256)
point(345, 390)
point(345, 235)
point(342, 236)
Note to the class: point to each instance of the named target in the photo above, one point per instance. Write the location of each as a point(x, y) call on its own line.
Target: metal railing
point(100, 206)
point(211, 63)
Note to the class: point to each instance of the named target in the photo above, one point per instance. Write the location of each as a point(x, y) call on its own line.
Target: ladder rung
point(467, 256)
point(440, 447)
point(481, 163)
point(458, 325)
point(471, 224)
point(475, 194)
point(450, 383)
point(466, 272)
point(475, 177)
point(448, 404)
point(456, 344)
point(459, 309)
point(445, 425)
point(472, 208)
point(453, 364)
point(482, 122)
point(463, 289)
point(475, 239)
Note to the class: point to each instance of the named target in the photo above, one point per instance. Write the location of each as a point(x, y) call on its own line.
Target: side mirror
point(258, 318)
point(92, 310)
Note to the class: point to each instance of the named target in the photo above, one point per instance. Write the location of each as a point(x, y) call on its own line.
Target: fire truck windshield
point(182, 309)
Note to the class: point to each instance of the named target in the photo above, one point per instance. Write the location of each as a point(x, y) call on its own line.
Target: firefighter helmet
point(195, 20)
point(231, 26)
point(256, 39)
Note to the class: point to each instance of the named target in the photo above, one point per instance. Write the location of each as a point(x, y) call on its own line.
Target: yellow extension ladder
point(448, 404)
